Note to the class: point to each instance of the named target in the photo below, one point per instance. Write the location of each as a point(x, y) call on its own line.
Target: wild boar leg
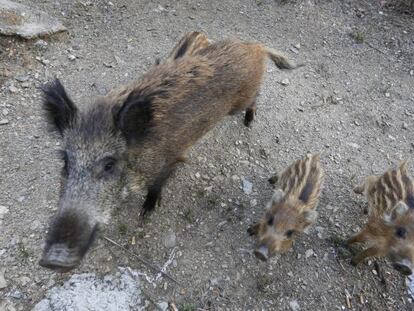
point(250, 113)
point(254, 229)
point(155, 189)
point(369, 252)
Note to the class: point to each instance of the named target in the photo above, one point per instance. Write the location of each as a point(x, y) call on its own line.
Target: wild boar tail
point(281, 61)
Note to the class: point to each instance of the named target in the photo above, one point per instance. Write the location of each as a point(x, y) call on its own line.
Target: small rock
point(3, 211)
point(24, 280)
point(28, 23)
point(16, 294)
point(197, 175)
point(387, 94)
point(41, 43)
point(294, 305)
point(26, 85)
point(5, 112)
point(22, 78)
point(297, 46)
point(411, 72)
point(71, 57)
point(13, 89)
point(309, 253)
point(405, 126)
point(253, 203)
point(354, 145)
point(294, 50)
point(162, 306)
point(170, 240)
point(4, 121)
point(3, 283)
point(247, 186)
point(285, 82)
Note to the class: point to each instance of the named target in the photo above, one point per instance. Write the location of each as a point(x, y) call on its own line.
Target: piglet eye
point(290, 233)
point(401, 232)
point(269, 219)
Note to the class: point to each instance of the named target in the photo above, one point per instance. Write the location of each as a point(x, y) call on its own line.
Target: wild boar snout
point(71, 235)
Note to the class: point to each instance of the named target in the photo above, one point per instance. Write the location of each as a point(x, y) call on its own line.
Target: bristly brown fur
point(292, 208)
point(189, 44)
point(391, 211)
point(138, 134)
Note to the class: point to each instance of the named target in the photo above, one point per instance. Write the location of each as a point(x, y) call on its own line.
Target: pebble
point(285, 82)
point(24, 280)
point(71, 57)
point(16, 294)
point(294, 305)
point(13, 89)
point(247, 186)
point(22, 78)
point(3, 283)
point(41, 43)
point(5, 112)
point(4, 121)
point(162, 306)
point(170, 240)
point(405, 126)
point(354, 145)
point(309, 253)
point(3, 211)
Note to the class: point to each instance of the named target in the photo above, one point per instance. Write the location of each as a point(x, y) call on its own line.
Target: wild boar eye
point(401, 232)
point(289, 233)
point(109, 165)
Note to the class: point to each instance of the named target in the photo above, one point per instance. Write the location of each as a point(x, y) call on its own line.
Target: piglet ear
point(310, 216)
point(60, 110)
point(400, 209)
point(134, 117)
point(277, 197)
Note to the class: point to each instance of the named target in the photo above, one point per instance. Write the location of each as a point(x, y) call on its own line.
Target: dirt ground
point(353, 101)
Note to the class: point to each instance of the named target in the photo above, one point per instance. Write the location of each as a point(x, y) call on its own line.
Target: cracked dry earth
point(353, 101)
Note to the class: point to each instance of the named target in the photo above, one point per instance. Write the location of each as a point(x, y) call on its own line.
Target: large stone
point(20, 20)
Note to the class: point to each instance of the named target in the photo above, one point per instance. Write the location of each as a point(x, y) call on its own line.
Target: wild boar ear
point(134, 117)
point(60, 109)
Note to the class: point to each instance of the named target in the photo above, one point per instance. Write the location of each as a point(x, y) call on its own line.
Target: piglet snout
point(262, 253)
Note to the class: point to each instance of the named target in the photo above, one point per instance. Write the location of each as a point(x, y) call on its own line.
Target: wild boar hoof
point(354, 262)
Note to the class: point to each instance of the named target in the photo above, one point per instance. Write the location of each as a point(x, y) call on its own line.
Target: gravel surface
point(353, 101)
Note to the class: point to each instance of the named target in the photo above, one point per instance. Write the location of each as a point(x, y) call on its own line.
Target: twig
point(380, 274)
point(145, 262)
point(376, 49)
point(348, 299)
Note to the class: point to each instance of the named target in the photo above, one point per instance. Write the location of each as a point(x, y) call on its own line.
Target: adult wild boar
point(137, 134)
